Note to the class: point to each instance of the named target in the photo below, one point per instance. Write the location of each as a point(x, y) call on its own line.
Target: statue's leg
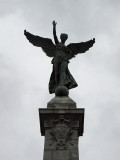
point(56, 70)
point(62, 72)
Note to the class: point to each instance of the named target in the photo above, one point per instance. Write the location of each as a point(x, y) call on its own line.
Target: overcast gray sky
point(25, 72)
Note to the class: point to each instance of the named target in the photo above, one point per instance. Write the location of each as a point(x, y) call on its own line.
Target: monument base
point(61, 123)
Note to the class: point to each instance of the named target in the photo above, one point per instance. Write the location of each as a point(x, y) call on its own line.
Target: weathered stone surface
point(61, 123)
point(61, 103)
point(61, 146)
point(75, 115)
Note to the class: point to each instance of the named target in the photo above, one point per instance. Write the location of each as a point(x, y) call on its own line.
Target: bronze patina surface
point(62, 55)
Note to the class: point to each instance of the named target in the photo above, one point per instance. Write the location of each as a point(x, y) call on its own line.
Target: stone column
point(61, 123)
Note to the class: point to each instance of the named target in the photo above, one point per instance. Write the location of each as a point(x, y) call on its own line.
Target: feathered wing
point(45, 43)
point(82, 47)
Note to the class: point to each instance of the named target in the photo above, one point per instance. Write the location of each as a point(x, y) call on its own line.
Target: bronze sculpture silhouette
point(61, 54)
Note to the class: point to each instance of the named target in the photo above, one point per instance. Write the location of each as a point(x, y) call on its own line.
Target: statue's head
point(63, 37)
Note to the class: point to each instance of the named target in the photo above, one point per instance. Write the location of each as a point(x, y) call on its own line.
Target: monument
point(61, 122)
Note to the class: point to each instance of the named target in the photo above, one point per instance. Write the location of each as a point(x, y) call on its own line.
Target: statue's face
point(63, 37)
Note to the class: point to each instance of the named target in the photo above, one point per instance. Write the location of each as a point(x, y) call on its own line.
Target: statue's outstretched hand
point(25, 31)
point(54, 23)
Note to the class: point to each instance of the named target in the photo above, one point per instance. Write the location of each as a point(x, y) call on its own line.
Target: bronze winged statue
point(61, 54)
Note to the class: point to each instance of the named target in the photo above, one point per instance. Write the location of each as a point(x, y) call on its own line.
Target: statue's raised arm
point(54, 32)
point(61, 76)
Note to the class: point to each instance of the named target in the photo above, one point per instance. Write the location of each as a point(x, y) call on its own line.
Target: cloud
point(25, 72)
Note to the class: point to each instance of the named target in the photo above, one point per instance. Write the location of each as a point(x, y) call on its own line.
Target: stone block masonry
point(61, 123)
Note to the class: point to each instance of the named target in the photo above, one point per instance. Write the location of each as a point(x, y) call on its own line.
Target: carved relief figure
point(60, 132)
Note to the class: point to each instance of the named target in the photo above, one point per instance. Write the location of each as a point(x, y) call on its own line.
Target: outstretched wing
point(45, 43)
point(82, 47)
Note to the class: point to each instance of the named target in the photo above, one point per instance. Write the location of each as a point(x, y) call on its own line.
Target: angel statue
point(61, 54)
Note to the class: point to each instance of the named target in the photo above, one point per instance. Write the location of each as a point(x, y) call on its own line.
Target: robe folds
point(69, 81)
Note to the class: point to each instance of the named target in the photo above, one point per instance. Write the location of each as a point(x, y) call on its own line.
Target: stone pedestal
point(61, 123)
